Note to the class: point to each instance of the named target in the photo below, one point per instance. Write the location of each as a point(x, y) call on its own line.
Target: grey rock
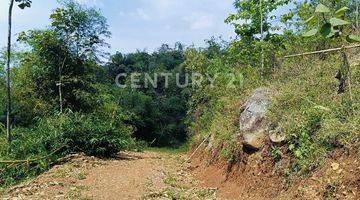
point(253, 125)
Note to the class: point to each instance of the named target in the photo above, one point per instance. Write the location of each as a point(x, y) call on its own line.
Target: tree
point(157, 112)
point(252, 16)
point(22, 4)
point(83, 29)
point(64, 58)
point(255, 27)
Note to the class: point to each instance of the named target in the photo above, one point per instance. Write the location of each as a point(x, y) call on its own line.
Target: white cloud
point(163, 9)
point(161, 5)
point(121, 14)
point(97, 3)
point(142, 14)
point(199, 21)
point(138, 13)
point(168, 27)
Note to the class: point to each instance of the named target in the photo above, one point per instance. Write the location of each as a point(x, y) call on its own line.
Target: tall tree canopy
point(83, 29)
point(65, 55)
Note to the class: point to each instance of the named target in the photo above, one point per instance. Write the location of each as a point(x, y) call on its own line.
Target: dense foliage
point(158, 110)
point(61, 100)
point(67, 100)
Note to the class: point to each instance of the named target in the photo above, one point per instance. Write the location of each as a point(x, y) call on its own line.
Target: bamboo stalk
point(60, 86)
point(323, 51)
point(11, 162)
point(197, 149)
point(348, 68)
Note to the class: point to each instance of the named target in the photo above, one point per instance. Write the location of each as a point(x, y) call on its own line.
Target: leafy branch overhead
point(330, 24)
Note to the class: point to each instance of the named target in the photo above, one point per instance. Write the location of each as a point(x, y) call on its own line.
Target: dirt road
point(164, 175)
point(147, 175)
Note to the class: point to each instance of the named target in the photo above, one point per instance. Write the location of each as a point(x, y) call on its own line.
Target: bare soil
point(259, 177)
point(132, 175)
point(159, 175)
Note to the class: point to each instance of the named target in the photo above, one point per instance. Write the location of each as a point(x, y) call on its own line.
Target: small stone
point(53, 183)
point(277, 138)
point(335, 166)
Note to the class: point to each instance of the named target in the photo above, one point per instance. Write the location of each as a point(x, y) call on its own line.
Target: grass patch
point(183, 148)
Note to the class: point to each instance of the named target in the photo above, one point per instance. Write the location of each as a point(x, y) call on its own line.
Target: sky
point(138, 24)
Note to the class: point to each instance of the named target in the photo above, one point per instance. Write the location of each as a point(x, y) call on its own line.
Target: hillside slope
point(321, 128)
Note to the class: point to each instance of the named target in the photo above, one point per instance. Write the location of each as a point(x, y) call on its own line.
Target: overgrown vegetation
point(65, 99)
point(307, 106)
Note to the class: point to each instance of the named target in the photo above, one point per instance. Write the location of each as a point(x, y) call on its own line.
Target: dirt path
point(159, 175)
point(147, 175)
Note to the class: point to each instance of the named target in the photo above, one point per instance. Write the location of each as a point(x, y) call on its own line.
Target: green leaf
point(338, 22)
point(341, 12)
point(310, 33)
point(310, 20)
point(353, 38)
point(321, 8)
point(326, 30)
point(22, 5)
point(298, 154)
point(291, 147)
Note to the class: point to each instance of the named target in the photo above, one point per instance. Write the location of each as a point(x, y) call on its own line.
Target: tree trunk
point(262, 38)
point(357, 15)
point(8, 84)
point(60, 84)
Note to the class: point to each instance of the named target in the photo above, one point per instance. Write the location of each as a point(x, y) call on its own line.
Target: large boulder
point(253, 126)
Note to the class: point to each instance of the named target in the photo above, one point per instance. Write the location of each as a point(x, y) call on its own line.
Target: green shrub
point(28, 143)
point(98, 134)
point(101, 133)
